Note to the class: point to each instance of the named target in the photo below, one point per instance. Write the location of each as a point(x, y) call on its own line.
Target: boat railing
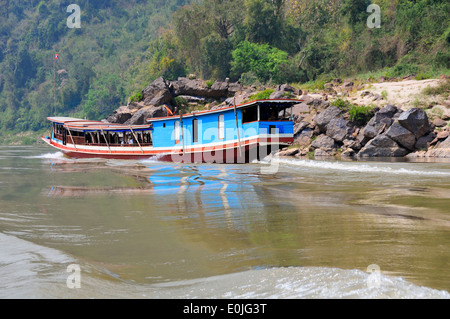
point(119, 145)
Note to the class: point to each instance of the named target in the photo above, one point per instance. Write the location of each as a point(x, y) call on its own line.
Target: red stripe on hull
point(106, 156)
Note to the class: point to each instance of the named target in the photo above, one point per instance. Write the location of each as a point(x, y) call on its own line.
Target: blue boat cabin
point(266, 117)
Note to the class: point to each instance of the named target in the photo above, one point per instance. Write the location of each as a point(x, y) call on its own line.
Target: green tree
point(263, 21)
point(165, 57)
point(200, 26)
point(355, 10)
point(105, 95)
point(216, 56)
point(260, 59)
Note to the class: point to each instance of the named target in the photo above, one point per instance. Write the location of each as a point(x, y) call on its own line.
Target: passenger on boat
point(273, 116)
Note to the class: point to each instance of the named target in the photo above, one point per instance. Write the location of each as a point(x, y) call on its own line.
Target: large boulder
point(284, 91)
point(382, 146)
point(326, 116)
point(119, 116)
point(157, 93)
point(234, 88)
point(304, 138)
point(140, 117)
point(299, 127)
point(196, 87)
point(323, 142)
point(300, 108)
point(381, 121)
point(416, 121)
point(424, 142)
point(338, 130)
point(402, 136)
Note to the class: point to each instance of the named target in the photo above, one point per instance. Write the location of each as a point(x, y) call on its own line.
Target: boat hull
point(231, 153)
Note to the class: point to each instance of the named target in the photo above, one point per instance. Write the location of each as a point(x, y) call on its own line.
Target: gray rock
point(288, 88)
point(423, 142)
point(299, 127)
point(157, 93)
point(338, 130)
point(118, 118)
point(439, 123)
point(402, 136)
point(353, 144)
point(382, 146)
point(324, 153)
point(326, 116)
point(381, 121)
point(132, 106)
point(220, 87)
point(234, 88)
point(305, 137)
point(324, 142)
point(145, 113)
point(278, 95)
point(193, 99)
point(300, 108)
point(416, 121)
point(390, 110)
point(289, 152)
point(196, 87)
point(307, 99)
point(348, 153)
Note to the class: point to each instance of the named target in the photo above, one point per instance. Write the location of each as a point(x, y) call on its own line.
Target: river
point(147, 229)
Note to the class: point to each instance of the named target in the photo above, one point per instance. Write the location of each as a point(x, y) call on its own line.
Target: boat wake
point(304, 283)
point(29, 270)
point(359, 167)
point(50, 156)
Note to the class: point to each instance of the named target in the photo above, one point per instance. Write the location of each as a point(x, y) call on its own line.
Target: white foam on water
point(56, 155)
point(359, 167)
point(300, 283)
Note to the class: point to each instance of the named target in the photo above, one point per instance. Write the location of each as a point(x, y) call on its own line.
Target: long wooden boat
point(235, 134)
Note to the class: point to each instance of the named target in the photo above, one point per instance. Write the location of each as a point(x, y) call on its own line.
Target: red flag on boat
point(56, 56)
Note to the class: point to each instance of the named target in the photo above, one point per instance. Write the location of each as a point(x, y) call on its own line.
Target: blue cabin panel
point(216, 127)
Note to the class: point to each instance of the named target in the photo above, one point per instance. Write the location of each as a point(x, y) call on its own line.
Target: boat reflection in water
point(194, 188)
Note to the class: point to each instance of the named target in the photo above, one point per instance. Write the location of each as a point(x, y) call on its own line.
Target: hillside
point(97, 66)
point(122, 46)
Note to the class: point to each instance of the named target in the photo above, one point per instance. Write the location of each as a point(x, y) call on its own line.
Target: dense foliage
point(100, 64)
point(124, 45)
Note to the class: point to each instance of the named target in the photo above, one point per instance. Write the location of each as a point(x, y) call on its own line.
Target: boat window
point(177, 132)
point(269, 113)
point(221, 127)
point(195, 131)
point(250, 114)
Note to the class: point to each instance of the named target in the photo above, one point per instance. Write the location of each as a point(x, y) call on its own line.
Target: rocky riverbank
point(345, 119)
point(410, 129)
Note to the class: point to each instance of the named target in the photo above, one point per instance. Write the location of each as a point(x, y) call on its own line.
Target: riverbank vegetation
point(122, 46)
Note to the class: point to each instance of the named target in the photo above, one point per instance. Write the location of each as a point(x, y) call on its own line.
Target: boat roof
point(87, 125)
point(286, 102)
